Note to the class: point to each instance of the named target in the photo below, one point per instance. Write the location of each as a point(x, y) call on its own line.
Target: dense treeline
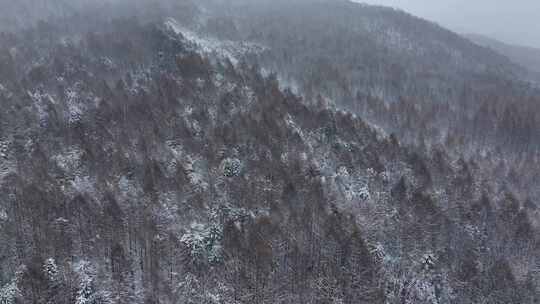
point(428, 86)
point(136, 170)
point(380, 63)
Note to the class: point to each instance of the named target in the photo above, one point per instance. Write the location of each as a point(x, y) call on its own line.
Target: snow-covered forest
point(252, 151)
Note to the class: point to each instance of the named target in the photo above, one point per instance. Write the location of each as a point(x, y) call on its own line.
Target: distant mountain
point(528, 57)
point(379, 62)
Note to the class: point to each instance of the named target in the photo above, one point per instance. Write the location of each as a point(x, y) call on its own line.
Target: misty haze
point(513, 22)
point(269, 151)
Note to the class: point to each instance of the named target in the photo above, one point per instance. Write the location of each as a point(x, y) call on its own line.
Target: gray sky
point(516, 22)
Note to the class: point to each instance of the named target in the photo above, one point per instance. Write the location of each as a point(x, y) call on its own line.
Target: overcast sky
point(515, 21)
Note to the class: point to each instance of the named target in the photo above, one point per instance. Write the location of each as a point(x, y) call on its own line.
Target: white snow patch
point(128, 188)
point(168, 208)
point(3, 215)
point(294, 127)
point(75, 107)
point(40, 100)
point(194, 172)
point(5, 92)
point(208, 45)
point(192, 165)
point(352, 187)
point(69, 161)
point(6, 164)
point(204, 241)
point(4, 149)
point(9, 293)
point(108, 63)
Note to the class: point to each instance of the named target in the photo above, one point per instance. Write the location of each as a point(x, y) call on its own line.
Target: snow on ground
point(5, 92)
point(9, 292)
point(76, 108)
point(193, 165)
point(195, 172)
point(128, 189)
point(351, 186)
point(6, 163)
point(211, 46)
point(4, 149)
point(69, 160)
point(41, 101)
point(3, 214)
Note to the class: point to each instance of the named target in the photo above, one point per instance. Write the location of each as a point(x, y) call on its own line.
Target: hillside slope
point(358, 55)
point(156, 159)
point(525, 56)
point(409, 77)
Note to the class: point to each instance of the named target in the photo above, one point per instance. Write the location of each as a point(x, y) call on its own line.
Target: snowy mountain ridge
point(230, 50)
